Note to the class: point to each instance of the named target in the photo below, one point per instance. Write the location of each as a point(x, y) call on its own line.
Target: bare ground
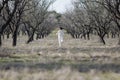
point(80, 59)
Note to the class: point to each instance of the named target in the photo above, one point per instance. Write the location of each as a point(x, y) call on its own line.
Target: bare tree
point(37, 16)
point(113, 6)
point(16, 21)
point(88, 16)
point(100, 17)
point(7, 14)
point(79, 22)
point(2, 4)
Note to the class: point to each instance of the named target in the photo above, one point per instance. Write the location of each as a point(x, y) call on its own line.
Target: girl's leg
point(59, 43)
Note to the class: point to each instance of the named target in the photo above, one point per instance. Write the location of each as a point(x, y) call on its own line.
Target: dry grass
point(78, 59)
point(61, 74)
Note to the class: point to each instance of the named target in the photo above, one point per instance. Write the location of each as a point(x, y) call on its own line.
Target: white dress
point(60, 34)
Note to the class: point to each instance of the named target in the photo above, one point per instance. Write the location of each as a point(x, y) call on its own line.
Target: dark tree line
point(26, 16)
point(93, 17)
point(31, 17)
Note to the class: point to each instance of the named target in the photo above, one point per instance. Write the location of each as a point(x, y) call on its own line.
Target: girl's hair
point(61, 28)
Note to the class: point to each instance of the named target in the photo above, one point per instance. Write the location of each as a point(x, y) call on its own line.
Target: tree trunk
point(102, 40)
point(15, 36)
point(119, 38)
point(84, 35)
point(31, 38)
point(8, 36)
point(119, 34)
point(14, 39)
point(118, 25)
point(88, 36)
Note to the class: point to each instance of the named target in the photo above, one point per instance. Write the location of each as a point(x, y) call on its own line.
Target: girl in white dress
point(60, 34)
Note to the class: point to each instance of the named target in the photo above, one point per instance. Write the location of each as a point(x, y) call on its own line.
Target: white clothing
point(60, 34)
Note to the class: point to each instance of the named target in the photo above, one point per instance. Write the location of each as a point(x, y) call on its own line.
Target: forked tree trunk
point(102, 40)
point(31, 38)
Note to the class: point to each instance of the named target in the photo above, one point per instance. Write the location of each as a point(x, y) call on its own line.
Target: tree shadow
point(81, 67)
point(109, 67)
